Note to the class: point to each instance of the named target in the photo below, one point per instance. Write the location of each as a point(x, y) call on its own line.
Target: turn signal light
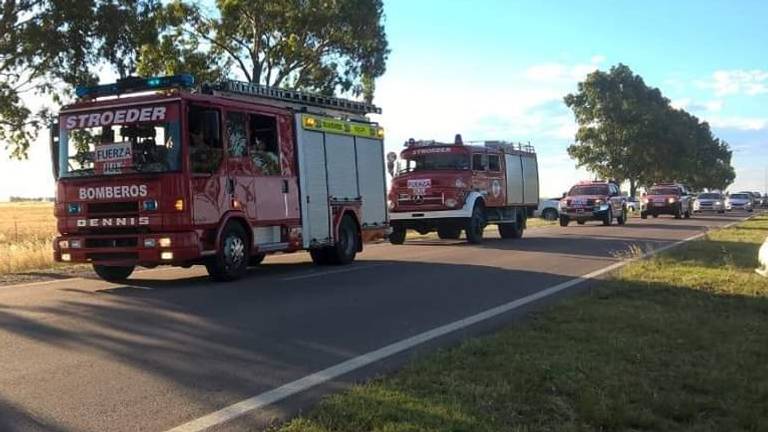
point(179, 205)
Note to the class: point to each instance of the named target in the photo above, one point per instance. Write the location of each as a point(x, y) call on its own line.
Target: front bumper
point(661, 208)
point(185, 248)
point(596, 213)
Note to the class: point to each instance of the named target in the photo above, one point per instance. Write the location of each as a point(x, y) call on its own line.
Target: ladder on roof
point(294, 97)
point(510, 146)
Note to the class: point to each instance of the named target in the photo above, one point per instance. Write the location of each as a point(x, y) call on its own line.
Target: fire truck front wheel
point(476, 225)
point(113, 273)
point(231, 260)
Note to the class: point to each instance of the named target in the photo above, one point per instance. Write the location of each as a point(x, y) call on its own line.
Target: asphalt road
point(171, 347)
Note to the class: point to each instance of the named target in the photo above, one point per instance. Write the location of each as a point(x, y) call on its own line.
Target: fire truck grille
point(114, 208)
point(113, 256)
point(111, 242)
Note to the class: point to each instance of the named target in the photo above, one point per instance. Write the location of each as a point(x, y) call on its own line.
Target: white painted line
point(275, 395)
point(330, 272)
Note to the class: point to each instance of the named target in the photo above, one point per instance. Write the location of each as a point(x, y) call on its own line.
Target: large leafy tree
point(323, 45)
point(617, 116)
point(629, 132)
point(48, 45)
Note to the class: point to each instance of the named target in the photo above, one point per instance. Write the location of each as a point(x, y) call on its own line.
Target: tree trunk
point(632, 187)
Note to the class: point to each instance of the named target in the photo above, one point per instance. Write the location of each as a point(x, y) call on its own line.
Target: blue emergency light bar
point(135, 84)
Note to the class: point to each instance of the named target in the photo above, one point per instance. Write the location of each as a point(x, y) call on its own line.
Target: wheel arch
point(239, 218)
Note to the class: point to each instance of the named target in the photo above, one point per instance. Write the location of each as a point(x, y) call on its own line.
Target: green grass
point(678, 342)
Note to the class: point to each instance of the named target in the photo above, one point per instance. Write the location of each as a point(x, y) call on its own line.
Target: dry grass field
point(26, 231)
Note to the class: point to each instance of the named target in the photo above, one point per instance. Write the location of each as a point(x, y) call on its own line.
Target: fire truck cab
point(219, 175)
point(455, 187)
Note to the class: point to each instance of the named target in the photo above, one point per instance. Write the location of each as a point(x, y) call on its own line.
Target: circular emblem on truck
point(496, 188)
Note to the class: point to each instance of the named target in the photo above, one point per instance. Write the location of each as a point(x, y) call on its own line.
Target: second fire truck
point(455, 187)
point(158, 171)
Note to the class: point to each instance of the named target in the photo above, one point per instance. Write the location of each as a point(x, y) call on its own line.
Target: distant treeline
point(26, 199)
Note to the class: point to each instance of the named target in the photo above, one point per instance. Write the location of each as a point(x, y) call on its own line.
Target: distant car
point(593, 200)
point(633, 204)
point(549, 209)
point(709, 202)
point(759, 201)
point(739, 201)
point(667, 198)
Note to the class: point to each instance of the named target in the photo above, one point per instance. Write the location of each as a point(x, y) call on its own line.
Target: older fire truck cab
point(455, 187)
point(159, 172)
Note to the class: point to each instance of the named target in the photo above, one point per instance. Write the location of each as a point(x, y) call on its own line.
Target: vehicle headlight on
point(718, 203)
point(671, 200)
point(164, 242)
point(64, 244)
point(451, 203)
point(391, 205)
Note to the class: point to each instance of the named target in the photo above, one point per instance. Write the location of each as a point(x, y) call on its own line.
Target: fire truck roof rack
point(508, 146)
point(294, 97)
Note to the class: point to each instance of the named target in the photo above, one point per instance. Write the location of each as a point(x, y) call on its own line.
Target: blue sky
point(499, 70)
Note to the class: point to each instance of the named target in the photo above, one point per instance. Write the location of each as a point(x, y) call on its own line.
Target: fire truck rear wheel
point(113, 273)
point(231, 260)
point(514, 230)
point(476, 225)
point(397, 237)
point(345, 249)
point(449, 233)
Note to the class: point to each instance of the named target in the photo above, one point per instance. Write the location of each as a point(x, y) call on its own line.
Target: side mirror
point(55, 149)
point(391, 158)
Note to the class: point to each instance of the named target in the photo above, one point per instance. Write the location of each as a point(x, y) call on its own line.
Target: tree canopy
point(327, 46)
point(46, 46)
point(628, 131)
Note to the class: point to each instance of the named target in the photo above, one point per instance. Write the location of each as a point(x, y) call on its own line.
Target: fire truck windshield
point(435, 161)
point(92, 144)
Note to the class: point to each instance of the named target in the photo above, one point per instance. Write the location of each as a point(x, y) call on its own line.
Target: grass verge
point(678, 342)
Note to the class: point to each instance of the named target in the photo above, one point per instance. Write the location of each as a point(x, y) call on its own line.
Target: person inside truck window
point(203, 154)
point(264, 145)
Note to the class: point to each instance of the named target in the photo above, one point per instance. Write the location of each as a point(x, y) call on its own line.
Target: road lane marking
point(278, 394)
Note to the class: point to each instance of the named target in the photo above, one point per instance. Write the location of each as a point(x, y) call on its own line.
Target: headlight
point(64, 244)
point(598, 202)
point(164, 242)
point(73, 208)
point(718, 203)
point(671, 200)
point(460, 184)
point(149, 243)
point(75, 244)
point(451, 203)
point(391, 205)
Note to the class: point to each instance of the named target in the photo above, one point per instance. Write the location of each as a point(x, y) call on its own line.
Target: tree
point(629, 132)
point(616, 113)
point(321, 45)
point(46, 46)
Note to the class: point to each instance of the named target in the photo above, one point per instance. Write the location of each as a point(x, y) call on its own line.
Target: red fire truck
point(159, 172)
point(455, 187)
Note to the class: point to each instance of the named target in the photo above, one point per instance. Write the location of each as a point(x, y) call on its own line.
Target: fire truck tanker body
point(450, 188)
point(220, 177)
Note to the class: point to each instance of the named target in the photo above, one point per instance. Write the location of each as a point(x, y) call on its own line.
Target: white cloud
point(598, 59)
point(681, 103)
point(740, 123)
point(736, 81)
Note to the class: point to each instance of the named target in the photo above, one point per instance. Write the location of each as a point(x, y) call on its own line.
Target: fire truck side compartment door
point(372, 181)
point(315, 209)
point(342, 169)
point(514, 179)
point(530, 180)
